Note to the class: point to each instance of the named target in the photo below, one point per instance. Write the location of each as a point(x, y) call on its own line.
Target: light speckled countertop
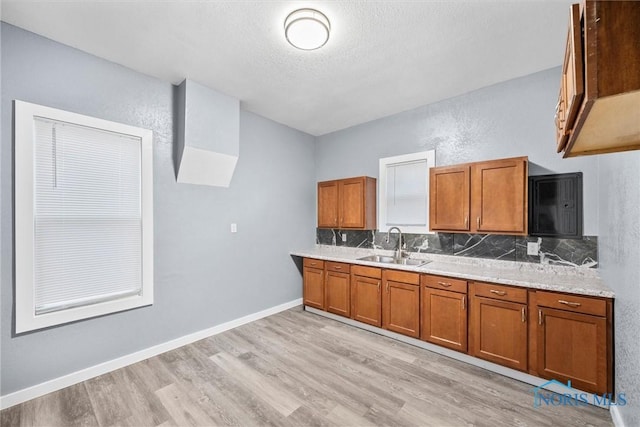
point(575, 280)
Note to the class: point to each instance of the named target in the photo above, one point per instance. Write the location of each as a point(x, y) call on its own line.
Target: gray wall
point(619, 252)
point(200, 279)
point(513, 118)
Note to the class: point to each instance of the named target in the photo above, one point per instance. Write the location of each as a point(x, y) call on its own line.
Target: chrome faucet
point(398, 253)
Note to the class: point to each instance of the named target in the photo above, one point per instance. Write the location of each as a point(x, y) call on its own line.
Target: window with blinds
point(403, 199)
point(407, 193)
point(84, 243)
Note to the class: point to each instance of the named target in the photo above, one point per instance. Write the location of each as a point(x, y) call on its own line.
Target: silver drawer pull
point(445, 284)
point(501, 293)
point(338, 268)
point(570, 304)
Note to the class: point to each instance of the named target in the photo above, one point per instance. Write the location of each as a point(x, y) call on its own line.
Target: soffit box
point(208, 135)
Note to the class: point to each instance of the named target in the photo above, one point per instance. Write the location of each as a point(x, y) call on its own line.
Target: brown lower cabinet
point(337, 289)
point(551, 335)
point(401, 302)
point(573, 340)
point(313, 283)
point(444, 312)
point(498, 324)
point(366, 298)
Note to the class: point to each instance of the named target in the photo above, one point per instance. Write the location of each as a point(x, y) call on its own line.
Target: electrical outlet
point(344, 237)
point(234, 227)
point(533, 248)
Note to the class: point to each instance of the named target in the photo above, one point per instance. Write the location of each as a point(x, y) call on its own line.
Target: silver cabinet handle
point(464, 302)
point(524, 314)
point(445, 284)
point(387, 287)
point(466, 221)
point(570, 304)
point(539, 317)
point(337, 268)
point(501, 293)
point(478, 222)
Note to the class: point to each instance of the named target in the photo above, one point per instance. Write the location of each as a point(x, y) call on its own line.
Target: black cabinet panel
point(555, 205)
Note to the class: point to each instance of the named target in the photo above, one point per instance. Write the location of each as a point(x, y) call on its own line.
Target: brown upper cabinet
point(572, 82)
point(482, 197)
point(449, 189)
point(598, 108)
point(347, 203)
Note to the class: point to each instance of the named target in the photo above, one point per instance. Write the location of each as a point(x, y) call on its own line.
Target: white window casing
point(403, 193)
point(83, 217)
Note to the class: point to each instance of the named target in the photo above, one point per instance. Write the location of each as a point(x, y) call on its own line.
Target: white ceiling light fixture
point(307, 29)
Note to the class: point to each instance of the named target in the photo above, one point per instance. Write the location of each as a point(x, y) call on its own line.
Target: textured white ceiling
point(383, 57)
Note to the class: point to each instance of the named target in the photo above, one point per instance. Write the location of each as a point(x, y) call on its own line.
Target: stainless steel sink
point(391, 260)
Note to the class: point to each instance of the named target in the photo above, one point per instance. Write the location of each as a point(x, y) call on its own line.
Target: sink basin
point(391, 260)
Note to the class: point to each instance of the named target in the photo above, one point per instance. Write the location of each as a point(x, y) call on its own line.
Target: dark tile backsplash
point(492, 246)
point(554, 251)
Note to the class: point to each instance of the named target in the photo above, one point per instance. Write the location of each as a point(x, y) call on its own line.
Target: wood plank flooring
point(298, 369)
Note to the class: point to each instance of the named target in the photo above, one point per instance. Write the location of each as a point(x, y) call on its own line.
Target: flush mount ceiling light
point(307, 29)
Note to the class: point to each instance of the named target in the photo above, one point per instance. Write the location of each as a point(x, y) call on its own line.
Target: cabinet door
point(351, 213)
point(313, 287)
point(572, 69)
point(401, 308)
point(338, 293)
point(444, 318)
point(366, 300)
point(573, 346)
point(499, 196)
point(498, 332)
point(449, 198)
point(562, 132)
point(328, 204)
point(572, 83)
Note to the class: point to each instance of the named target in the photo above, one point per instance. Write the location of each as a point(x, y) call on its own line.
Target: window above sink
point(403, 192)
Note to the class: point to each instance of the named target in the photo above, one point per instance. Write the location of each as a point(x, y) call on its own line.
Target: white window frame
point(428, 156)
point(26, 318)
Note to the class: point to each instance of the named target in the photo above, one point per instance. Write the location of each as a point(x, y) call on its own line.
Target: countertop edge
point(523, 282)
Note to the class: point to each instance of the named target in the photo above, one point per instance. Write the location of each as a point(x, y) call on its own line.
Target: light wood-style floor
point(298, 369)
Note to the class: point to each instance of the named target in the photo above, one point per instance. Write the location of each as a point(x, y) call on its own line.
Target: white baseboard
point(616, 417)
point(111, 365)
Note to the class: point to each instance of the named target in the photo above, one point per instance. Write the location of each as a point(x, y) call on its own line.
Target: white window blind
point(403, 192)
point(83, 216)
point(407, 193)
point(88, 224)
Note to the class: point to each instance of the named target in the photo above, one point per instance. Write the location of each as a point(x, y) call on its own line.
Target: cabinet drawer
point(373, 272)
point(337, 266)
point(313, 263)
point(446, 283)
point(578, 304)
point(402, 277)
point(500, 292)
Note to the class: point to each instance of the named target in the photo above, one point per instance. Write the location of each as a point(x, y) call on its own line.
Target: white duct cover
point(208, 135)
